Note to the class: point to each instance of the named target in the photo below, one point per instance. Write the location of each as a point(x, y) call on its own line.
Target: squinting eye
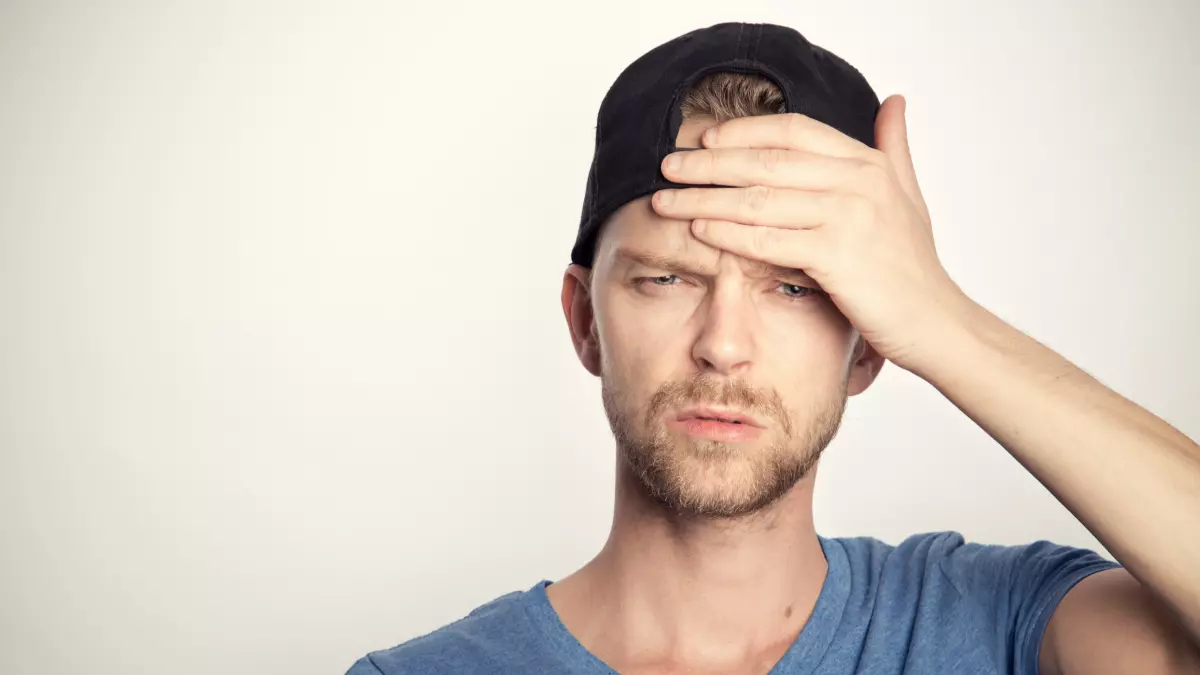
point(796, 290)
point(658, 286)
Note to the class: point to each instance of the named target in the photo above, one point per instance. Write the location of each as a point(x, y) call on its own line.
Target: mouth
point(726, 426)
point(716, 415)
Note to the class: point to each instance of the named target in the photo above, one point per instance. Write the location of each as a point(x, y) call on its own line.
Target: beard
point(714, 479)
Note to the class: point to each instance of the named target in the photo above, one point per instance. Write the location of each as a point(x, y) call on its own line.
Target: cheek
point(811, 354)
point(634, 326)
point(641, 349)
point(643, 352)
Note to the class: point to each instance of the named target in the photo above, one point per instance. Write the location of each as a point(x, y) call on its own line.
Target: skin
point(700, 574)
point(674, 591)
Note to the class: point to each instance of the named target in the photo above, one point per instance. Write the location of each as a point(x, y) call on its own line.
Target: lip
point(714, 430)
point(726, 426)
point(718, 415)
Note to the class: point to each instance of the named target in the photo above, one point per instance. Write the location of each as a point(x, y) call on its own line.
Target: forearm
point(1129, 477)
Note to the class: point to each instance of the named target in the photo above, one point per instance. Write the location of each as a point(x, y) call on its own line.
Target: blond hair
point(726, 95)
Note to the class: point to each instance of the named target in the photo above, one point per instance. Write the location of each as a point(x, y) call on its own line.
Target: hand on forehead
point(638, 236)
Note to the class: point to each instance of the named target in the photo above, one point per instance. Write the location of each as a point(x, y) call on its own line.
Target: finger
point(755, 205)
point(773, 167)
point(795, 249)
point(791, 131)
point(891, 134)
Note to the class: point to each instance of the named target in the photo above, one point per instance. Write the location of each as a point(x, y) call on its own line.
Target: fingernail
point(671, 163)
point(710, 136)
point(665, 197)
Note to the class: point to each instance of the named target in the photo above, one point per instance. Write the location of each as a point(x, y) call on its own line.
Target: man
point(754, 246)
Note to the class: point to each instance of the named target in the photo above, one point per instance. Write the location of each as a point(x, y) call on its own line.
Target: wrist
point(952, 332)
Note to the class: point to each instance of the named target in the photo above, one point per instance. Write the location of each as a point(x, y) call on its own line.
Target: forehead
point(636, 220)
point(635, 233)
point(637, 227)
point(637, 237)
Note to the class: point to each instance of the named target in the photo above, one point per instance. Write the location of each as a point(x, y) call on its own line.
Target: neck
point(679, 588)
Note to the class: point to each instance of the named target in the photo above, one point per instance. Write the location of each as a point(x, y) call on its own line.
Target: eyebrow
point(660, 262)
point(679, 266)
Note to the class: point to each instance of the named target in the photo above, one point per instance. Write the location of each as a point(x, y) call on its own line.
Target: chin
point(716, 471)
point(718, 480)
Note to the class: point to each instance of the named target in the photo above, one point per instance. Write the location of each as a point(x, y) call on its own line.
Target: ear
point(581, 320)
point(864, 367)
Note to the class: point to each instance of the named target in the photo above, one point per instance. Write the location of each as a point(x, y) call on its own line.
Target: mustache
point(709, 390)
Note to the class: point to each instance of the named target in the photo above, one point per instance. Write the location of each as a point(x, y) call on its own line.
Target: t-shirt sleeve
point(363, 666)
point(1018, 588)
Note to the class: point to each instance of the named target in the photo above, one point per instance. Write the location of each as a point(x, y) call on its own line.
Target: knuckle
point(871, 176)
point(715, 161)
point(764, 241)
point(755, 198)
point(770, 159)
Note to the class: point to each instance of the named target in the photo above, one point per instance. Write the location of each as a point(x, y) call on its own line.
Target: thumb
point(891, 136)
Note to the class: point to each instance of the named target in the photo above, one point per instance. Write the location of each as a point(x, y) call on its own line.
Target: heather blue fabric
point(931, 604)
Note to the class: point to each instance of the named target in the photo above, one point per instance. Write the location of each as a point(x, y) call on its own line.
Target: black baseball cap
point(640, 115)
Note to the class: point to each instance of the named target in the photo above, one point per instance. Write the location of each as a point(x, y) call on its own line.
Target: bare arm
point(1108, 625)
point(853, 218)
point(1129, 477)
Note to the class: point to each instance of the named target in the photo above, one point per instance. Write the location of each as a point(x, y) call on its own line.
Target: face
point(723, 379)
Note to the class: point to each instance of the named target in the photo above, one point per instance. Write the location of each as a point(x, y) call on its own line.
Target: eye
point(665, 280)
point(660, 286)
point(796, 290)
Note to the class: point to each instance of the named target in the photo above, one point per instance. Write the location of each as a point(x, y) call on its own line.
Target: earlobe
point(577, 308)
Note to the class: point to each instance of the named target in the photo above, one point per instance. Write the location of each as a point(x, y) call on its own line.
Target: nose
point(726, 343)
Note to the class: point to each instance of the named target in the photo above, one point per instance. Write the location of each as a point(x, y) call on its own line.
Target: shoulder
point(993, 600)
point(873, 557)
point(952, 553)
point(893, 574)
point(916, 545)
point(970, 568)
point(476, 643)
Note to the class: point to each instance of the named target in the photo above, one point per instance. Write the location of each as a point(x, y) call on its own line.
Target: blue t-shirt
point(932, 604)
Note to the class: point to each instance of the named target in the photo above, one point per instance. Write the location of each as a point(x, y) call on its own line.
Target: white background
point(283, 373)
